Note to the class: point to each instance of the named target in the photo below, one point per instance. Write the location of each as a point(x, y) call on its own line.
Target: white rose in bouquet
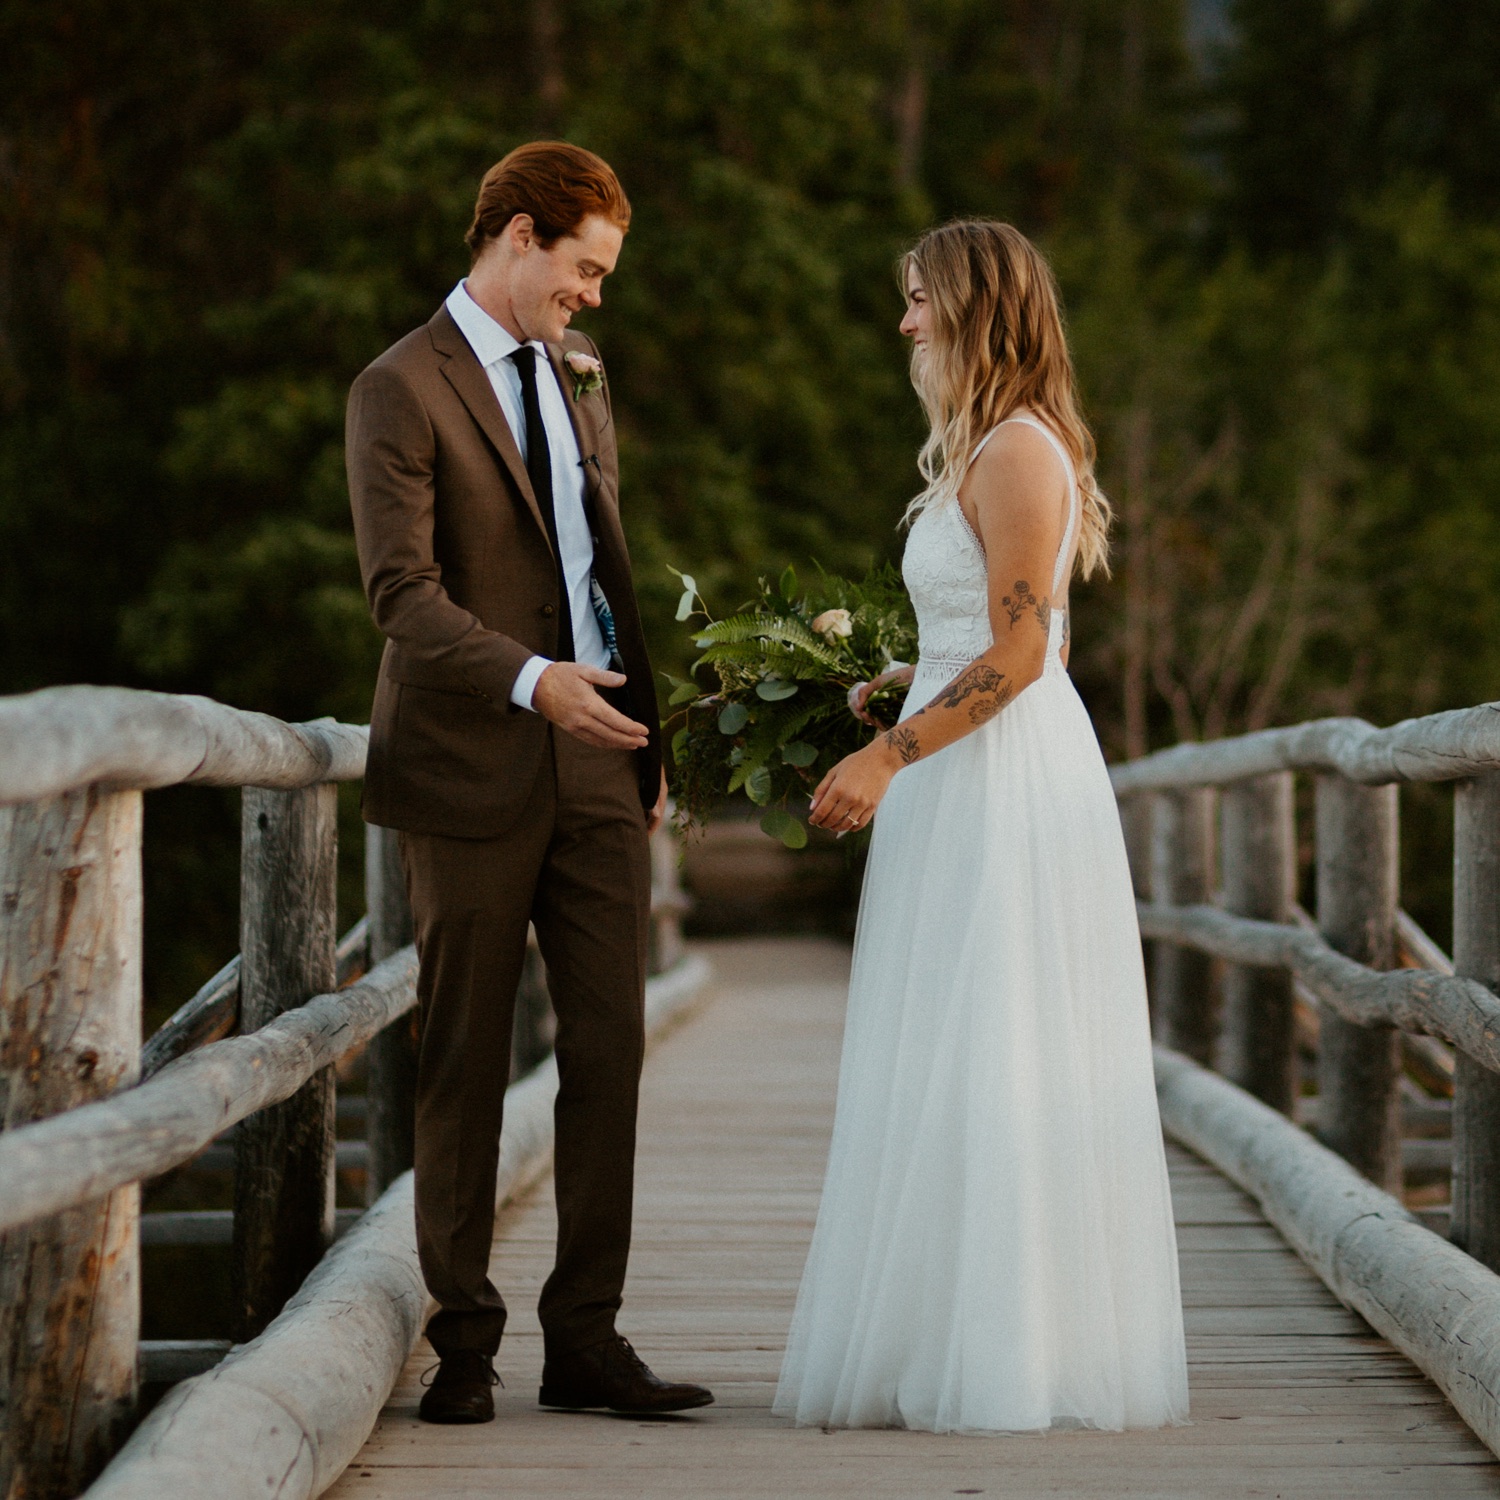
point(834, 625)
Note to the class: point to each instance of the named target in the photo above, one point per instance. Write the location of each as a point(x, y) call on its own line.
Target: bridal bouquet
point(776, 717)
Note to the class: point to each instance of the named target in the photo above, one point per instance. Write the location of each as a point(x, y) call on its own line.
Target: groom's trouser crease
point(575, 863)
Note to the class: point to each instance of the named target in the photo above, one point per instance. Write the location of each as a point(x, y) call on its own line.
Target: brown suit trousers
point(577, 864)
point(504, 819)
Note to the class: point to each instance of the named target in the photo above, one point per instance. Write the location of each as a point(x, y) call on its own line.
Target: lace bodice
point(946, 576)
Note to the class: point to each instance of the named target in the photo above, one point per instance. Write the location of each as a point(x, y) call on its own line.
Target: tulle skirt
point(995, 1249)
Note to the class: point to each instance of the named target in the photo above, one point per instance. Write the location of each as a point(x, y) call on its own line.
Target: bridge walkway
point(1292, 1395)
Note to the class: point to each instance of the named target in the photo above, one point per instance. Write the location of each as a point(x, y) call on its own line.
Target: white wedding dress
point(995, 1249)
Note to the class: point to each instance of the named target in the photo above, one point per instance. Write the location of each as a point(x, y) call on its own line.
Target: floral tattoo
point(980, 687)
point(1021, 599)
point(904, 742)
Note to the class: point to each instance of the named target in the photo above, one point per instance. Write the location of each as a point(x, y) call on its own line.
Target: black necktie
point(539, 468)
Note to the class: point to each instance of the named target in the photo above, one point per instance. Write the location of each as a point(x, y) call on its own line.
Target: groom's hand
point(564, 693)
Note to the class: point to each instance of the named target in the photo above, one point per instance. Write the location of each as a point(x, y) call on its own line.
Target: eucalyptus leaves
point(777, 717)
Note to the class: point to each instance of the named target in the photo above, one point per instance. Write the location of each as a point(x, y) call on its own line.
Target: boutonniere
point(587, 373)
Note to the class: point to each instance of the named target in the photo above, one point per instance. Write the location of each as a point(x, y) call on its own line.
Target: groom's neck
point(489, 287)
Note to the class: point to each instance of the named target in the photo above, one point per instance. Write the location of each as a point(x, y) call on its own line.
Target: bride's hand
point(848, 795)
point(859, 694)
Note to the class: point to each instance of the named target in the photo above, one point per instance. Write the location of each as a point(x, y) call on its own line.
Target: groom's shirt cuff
point(525, 684)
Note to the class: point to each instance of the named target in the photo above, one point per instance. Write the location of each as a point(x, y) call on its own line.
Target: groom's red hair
point(558, 185)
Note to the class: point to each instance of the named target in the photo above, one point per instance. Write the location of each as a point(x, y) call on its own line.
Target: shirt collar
point(490, 341)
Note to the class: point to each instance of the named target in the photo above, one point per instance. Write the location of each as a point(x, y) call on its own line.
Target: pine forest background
point(1277, 225)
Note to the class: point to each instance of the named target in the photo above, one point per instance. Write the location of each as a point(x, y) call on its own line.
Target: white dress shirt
point(493, 346)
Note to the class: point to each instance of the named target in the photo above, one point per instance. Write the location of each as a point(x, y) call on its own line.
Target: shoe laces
point(432, 1370)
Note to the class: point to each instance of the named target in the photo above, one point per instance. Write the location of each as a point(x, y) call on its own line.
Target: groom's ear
point(521, 232)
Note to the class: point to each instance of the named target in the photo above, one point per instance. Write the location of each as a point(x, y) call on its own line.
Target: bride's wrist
point(886, 752)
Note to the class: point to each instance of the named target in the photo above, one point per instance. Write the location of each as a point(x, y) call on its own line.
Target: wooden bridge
point(1339, 1345)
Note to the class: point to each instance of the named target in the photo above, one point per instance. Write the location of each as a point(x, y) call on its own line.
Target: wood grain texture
point(1461, 1011)
point(214, 1012)
point(1357, 865)
point(70, 1025)
point(63, 738)
point(1438, 747)
point(1258, 842)
point(145, 1131)
point(1435, 1303)
point(1476, 955)
point(284, 1153)
point(1184, 991)
point(1293, 1396)
point(282, 1415)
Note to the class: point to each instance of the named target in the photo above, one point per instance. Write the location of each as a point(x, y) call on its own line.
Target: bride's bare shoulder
point(1016, 478)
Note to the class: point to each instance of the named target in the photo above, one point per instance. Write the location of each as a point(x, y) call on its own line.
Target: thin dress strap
point(1067, 542)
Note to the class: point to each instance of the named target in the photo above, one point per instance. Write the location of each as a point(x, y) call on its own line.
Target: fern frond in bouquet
point(766, 712)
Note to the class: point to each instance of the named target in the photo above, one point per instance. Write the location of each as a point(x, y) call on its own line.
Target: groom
point(514, 742)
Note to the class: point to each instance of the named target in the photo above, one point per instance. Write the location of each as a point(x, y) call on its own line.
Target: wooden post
point(1476, 955)
point(70, 1015)
point(284, 1155)
point(668, 902)
point(390, 1127)
point(1182, 825)
point(1259, 880)
point(1359, 1066)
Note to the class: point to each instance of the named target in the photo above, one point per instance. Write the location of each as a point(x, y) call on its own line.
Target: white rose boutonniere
point(587, 373)
point(834, 625)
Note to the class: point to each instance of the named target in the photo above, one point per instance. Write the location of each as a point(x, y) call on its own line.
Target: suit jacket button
point(548, 611)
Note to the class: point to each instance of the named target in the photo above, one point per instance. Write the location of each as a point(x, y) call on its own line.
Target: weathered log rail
point(1212, 837)
point(87, 1113)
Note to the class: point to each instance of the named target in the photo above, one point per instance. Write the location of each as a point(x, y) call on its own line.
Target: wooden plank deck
point(1292, 1395)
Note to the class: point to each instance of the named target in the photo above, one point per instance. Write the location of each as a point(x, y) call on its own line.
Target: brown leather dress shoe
point(462, 1389)
point(614, 1376)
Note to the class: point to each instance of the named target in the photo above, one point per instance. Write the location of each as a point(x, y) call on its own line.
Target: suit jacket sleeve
point(390, 453)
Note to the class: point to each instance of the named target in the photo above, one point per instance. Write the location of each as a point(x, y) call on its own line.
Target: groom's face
point(549, 286)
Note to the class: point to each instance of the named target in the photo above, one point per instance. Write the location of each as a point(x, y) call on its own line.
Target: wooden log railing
point(87, 1112)
point(1217, 892)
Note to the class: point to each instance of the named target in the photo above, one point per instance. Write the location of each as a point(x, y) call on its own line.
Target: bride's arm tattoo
point(981, 687)
point(904, 743)
point(990, 690)
point(1021, 599)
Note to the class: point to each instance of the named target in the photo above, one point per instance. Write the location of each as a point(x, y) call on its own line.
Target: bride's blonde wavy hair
point(997, 346)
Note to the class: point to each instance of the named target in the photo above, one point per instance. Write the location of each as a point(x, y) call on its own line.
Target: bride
point(994, 1249)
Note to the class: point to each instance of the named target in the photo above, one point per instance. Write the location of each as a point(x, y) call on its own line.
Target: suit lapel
point(603, 519)
point(611, 556)
point(584, 419)
point(468, 378)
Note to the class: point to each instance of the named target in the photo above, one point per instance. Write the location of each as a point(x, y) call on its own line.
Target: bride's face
point(917, 324)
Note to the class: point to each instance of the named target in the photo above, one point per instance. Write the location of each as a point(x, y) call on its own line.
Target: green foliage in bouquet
point(777, 717)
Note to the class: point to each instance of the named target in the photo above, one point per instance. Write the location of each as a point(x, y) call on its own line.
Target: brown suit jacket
point(461, 581)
